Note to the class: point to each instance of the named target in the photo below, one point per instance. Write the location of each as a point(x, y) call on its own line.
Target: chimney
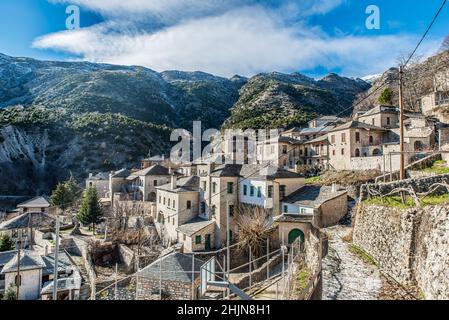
point(173, 179)
point(91, 175)
point(334, 187)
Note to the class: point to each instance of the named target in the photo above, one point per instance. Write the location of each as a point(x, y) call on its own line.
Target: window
point(160, 199)
point(342, 152)
point(174, 204)
point(245, 189)
point(231, 210)
point(259, 192)
point(343, 137)
point(189, 204)
point(214, 187)
point(18, 280)
point(230, 187)
point(302, 210)
point(169, 202)
point(198, 239)
point(357, 152)
point(282, 191)
point(333, 138)
point(184, 237)
point(284, 149)
point(204, 185)
point(333, 152)
point(371, 139)
point(285, 209)
point(373, 122)
point(203, 207)
point(251, 191)
point(357, 137)
point(270, 192)
point(388, 121)
point(272, 149)
point(155, 183)
point(164, 201)
point(212, 210)
point(173, 221)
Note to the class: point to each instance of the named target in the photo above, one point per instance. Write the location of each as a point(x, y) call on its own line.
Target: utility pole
point(18, 280)
point(55, 273)
point(228, 243)
point(401, 124)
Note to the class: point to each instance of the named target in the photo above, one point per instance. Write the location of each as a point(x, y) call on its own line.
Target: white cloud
point(245, 41)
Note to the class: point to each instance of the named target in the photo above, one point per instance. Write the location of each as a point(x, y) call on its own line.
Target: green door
point(294, 234)
point(207, 242)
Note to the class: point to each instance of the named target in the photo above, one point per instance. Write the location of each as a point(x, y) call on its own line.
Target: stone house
point(282, 151)
point(439, 98)
point(320, 206)
point(101, 182)
point(177, 203)
point(381, 116)
point(316, 151)
point(354, 139)
point(176, 276)
point(36, 275)
point(36, 204)
point(144, 182)
point(197, 234)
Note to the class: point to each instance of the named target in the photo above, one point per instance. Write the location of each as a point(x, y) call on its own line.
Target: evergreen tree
point(6, 243)
point(90, 211)
point(65, 193)
point(10, 294)
point(386, 97)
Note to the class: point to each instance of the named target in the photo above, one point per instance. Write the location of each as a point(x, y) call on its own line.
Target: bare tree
point(254, 229)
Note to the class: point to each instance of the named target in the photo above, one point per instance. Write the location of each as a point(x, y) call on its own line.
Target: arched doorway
point(376, 152)
point(294, 234)
point(152, 197)
point(357, 153)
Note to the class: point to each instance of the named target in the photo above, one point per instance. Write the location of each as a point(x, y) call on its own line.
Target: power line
point(425, 33)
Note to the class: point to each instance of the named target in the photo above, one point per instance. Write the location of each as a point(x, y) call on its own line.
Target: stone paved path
point(345, 275)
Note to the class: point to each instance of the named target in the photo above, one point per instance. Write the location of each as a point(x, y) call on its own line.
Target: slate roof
point(175, 267)
point(29, 260)
point(64, 263)
point(319, 139)
point(122, 173)
point(252, 171)
point(28, 220)
point(185, 184)
point(357, 125)
point(293, 218)
point(193, 226)
point(380, 109)
point(312, 196)
point(99, 176)
point(156, 170)
point(315, 130)
point(63, 284)
point(36, 202)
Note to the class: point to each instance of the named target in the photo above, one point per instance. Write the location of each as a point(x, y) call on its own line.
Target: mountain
point(57, 117)
point(418, 81)
point(283, 100)
point(172, 98)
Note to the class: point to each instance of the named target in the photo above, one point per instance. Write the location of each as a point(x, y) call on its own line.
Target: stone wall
point(409, 244)
point(127, 256)
point(148, 289)
point(419, 185)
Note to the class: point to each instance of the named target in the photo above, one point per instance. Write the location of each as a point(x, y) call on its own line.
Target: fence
point(158, 282)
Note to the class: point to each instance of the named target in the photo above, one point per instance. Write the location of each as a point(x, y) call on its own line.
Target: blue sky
point(224, 37)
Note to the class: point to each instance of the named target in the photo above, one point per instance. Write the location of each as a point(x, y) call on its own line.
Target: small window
point(251, 191)
point(169, 202)
point(259, 192)
point(270, 192)
point(189, 204)
point(343, 137)
point(245, 189)
point(230, 187)
point(282, 189)
point(342, 152)
point(333, 152)
point(173, 221)
point(18, 280)
point(388, 121)
point(155, 183)
point(184, 237)
point(214, 187)
point(284, 149)
point(203, 207)
point(357, 137)
point(164, 201)
point(285, 209)
point(332, 138)
point(231, 210)
point(174, 204)
point(159, 199)
point(204, 185)
point(373, 122)
point(198, 239)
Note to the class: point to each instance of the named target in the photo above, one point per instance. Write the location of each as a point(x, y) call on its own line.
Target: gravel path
point(345, 275)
